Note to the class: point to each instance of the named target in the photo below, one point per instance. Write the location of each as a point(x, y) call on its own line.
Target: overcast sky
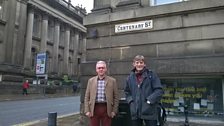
point(88, 4)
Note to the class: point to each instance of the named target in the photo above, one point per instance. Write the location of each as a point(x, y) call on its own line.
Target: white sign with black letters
point(133, 26)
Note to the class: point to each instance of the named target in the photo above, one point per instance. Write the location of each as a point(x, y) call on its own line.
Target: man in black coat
point(143, 92)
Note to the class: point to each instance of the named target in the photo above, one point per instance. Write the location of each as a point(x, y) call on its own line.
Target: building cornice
point(57, 14)
point(153, 11)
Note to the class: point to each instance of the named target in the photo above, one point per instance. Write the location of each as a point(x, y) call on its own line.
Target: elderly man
point(143, 92)
point(101, 97)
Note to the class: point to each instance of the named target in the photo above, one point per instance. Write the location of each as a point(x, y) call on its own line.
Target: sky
point(88, 4)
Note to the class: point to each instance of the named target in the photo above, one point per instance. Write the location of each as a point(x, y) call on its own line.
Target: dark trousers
point(100, 116)
point(139, 122)
point(25, 91)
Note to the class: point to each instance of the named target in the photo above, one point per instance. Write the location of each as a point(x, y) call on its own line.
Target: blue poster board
point(41, 63)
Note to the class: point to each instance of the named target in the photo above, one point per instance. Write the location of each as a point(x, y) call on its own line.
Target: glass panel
point(160, 2)
point(203, 96)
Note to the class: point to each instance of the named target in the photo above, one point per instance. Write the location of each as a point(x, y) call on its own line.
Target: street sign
point(134, 26)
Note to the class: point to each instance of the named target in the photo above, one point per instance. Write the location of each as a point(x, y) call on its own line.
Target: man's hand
point(113, 114)
point(88, 114)
point(148, 102)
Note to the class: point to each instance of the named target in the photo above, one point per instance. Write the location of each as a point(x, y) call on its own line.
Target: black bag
point(161, 115)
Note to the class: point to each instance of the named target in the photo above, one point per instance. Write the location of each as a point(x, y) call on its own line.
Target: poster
point(204, 102)
point(196, 106)
point(41, 63)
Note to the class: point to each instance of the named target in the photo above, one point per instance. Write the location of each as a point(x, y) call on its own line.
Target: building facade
point(182, 41)
point(30, 27)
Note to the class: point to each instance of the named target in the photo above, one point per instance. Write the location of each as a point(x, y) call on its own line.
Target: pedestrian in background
point(25, 87)
point(101, 97)
point(74, 87)
point(143, 92)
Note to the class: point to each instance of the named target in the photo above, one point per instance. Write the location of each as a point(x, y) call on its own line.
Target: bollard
point(52, 119)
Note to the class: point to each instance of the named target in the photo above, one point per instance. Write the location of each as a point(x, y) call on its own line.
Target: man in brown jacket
point(101, 97)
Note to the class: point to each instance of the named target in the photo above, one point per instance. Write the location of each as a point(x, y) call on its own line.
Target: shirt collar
point(101, 79)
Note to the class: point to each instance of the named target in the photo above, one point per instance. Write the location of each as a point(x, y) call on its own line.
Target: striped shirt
point(100, 95)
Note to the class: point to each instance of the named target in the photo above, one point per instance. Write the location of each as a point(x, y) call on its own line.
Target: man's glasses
point(101, 67)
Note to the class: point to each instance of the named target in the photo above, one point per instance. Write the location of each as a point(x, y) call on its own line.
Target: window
point(70, 66)
point(36, 25)
point(62, 35)
point(60, 64)
point(80, 44)
point(50, 30)
point(203, 96)
point(3, 9)
point(72, 39)
point(17, 12)
point(49, 62)
point(161, 2)
point(33, 60)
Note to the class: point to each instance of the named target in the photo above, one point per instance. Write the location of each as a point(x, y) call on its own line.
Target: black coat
point(150, 89)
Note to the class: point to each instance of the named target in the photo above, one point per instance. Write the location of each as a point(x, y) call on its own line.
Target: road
point(16, 112)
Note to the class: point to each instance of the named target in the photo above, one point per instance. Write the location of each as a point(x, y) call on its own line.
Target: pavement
point(66, 120)
point(195, 121)
point(74, 119)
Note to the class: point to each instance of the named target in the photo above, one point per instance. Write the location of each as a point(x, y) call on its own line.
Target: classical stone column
point(44, 35)
point(75, 54)
point(20, 44)
point(66, 49)
point(56, 45)
point(83, 59)
point(29, 34)
point(9, 31)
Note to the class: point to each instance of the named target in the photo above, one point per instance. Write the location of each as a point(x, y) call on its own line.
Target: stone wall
point(186, 40)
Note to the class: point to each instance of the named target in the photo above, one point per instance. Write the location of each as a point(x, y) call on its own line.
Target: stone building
point(30, 27)
point(182, 41)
